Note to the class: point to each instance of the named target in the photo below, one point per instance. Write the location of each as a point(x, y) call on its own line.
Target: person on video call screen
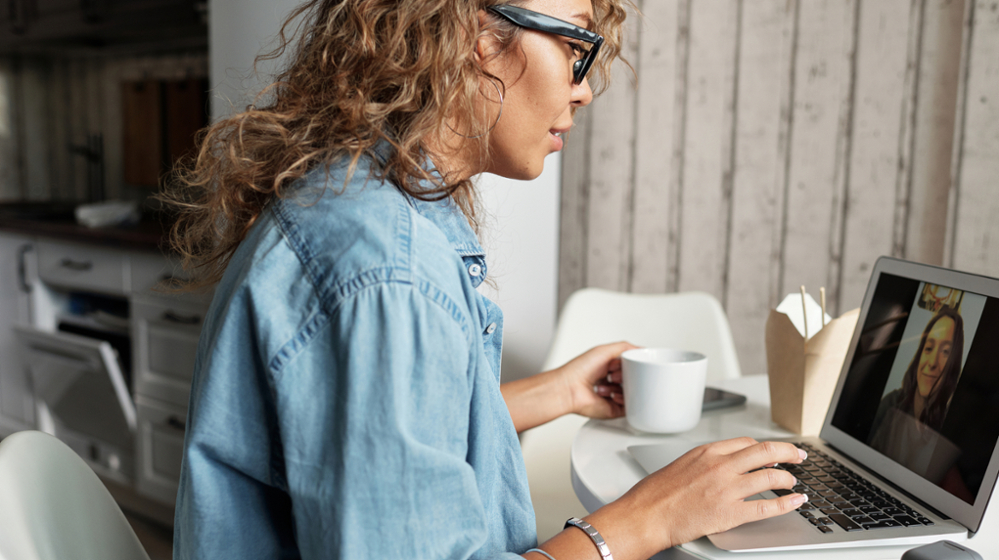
point(908, 421)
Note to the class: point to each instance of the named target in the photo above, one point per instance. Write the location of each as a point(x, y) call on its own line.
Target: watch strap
point(594, 535)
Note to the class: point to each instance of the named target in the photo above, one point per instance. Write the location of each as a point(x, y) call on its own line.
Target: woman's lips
point(557, 141)
point(556, 136)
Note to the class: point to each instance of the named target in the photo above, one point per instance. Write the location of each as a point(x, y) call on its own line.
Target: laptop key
point(892, 511)
point(878, 516)
point(852, 512)
point(924, 520)
point(821, 503)
point(863, 520)
point(829, 510)
point(845, 522)
point(782, 491)
point(824, 529)
point(906, 521)
point(883, 524)
point(806, 514)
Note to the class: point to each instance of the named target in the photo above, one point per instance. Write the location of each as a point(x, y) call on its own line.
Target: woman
point(346, 400)
point(909, 419)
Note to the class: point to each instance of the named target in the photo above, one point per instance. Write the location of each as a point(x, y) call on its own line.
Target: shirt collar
point(448, 217)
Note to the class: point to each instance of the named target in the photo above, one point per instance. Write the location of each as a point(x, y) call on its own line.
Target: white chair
point(53, 506)
point(591, 316)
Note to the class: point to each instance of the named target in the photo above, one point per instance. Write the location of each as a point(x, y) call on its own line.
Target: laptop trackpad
point(765, 533)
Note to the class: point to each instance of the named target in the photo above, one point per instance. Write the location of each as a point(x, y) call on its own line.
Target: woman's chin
point(524, 173)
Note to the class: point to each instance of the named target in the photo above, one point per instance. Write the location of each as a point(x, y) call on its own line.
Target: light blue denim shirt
point(346, 399)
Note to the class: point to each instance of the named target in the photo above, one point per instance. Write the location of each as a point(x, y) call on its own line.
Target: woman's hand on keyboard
point(701, 493)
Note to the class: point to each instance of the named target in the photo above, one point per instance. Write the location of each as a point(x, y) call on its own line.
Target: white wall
point(238, 31)
point(520, 235)
point(520, 219)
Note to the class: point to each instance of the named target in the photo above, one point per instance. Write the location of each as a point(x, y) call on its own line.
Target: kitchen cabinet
point(16, 400)
point(101, 357)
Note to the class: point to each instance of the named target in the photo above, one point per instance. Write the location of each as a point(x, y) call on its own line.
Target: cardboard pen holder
point(803, 374)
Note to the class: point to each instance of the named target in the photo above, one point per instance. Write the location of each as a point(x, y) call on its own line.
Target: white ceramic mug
point(663, 389)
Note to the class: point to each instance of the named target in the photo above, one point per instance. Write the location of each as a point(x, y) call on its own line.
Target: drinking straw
point(822, 302)
point(804, 311)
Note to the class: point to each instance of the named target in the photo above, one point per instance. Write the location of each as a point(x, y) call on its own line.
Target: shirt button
point(491, 328)
point(475, 270)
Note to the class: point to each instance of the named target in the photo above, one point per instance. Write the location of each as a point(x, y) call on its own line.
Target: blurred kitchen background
point(98, 97)
point(765, 144)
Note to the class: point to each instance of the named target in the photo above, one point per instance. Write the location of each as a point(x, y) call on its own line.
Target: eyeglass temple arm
point(533, 20)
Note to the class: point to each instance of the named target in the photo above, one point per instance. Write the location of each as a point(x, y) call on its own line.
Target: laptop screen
point(922, 387)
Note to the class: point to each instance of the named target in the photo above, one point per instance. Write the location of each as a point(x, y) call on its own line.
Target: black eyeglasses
point(541, 22)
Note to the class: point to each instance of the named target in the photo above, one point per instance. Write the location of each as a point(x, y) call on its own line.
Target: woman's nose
point(582, 95)
point(935, 361)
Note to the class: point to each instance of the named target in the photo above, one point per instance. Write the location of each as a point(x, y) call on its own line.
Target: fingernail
point(799, 499)
point(596, 388)
point(802, 454)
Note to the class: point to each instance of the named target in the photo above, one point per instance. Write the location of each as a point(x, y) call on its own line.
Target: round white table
point(603, 469)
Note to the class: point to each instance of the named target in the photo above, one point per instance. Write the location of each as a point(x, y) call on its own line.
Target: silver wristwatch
point(594, 535)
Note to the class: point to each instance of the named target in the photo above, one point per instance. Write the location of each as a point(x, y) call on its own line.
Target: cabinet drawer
point(151, 272)
point(148, 270)
point(82, 267)
point(165, 338)
point(160, 448)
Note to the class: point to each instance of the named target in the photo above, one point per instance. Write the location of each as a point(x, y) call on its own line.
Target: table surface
point(603, 469)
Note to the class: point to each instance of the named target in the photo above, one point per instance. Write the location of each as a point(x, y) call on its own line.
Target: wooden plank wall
point(974, 235)
point(773, 143)
point(51, 102)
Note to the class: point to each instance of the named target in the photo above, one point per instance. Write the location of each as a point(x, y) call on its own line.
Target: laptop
point(907, 453)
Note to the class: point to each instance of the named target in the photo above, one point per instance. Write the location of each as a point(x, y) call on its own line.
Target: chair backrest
point(53, 506)
point(686, 320)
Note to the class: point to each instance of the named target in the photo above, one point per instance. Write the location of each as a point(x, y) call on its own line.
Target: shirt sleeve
point(373, 415)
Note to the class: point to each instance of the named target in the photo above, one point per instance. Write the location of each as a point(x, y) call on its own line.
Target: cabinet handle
point(176, 423)
point(76, 265)
point(22, 268)
point(172, 317)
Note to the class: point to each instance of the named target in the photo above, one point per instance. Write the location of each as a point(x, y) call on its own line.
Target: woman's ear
point(483, 42)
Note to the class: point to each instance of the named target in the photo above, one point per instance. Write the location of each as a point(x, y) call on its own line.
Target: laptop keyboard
point(839, 496)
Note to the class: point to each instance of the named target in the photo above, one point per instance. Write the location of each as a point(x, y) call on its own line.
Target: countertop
point(56, 220)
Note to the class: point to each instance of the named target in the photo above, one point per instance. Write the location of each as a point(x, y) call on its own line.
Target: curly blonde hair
point(360, 72)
